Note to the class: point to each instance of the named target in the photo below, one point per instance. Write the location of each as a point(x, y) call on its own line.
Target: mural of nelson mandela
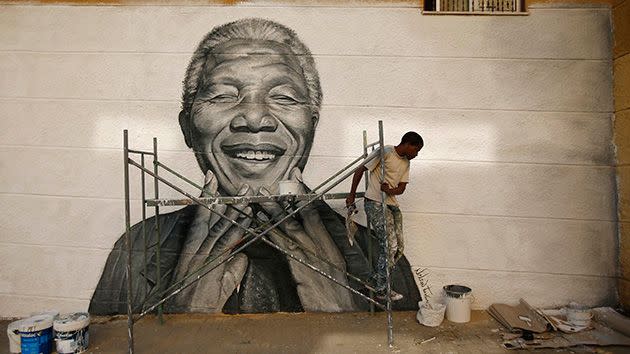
point(250, 107)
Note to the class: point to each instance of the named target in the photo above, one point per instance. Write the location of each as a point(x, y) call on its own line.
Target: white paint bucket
point(430, 314)
point(72, 332)
point(458, 299)
point(579, 315)
point(15, 343)
point(36, 334)
point(289, 187)
point(14, 336)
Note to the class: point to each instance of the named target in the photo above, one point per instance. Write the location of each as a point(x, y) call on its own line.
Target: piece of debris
point(532, 328)
point(612, 319)
point(526, 319)
point(427, 340)
point(519, 317)
point(599, 335)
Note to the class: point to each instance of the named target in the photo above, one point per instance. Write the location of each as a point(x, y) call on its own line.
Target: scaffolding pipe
point(179, 175)
point(249, 199)
point(139, 152)
point(128, 242)
point(390, 325)
point(367, 218)
point(157, 224)
point(144, 218)
point(339, 172)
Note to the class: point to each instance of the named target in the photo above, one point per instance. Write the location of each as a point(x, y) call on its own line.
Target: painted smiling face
point(251, 121)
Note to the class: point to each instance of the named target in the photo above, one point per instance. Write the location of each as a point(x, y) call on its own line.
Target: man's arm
point(356, 178)
point(398, 190)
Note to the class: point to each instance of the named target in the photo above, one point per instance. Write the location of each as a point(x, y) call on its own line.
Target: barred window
point(486, 7)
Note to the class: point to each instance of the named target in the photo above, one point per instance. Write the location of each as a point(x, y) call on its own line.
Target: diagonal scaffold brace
point(265, 227)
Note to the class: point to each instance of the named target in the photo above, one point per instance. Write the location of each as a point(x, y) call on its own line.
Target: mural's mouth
point(253, 153)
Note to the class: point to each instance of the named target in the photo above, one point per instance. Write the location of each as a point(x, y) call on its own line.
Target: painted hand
point(309, 240)
point(212, 236)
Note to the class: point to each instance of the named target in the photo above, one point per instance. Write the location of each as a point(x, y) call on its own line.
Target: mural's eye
point(220, 93)
point(284, 100)
point(224, 98)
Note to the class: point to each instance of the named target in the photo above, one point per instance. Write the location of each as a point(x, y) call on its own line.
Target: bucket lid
point(35, 323)
point(52, 313)
point(456, 290)
point(72, 322)
point(14, 326)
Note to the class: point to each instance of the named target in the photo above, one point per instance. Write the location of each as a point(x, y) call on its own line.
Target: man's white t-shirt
point(396, 171)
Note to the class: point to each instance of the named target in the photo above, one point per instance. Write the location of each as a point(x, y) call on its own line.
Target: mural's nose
point(253, 118)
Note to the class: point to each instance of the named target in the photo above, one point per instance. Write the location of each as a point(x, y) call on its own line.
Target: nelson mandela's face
point(251, 121)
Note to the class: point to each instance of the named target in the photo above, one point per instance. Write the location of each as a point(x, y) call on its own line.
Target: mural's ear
point(315, 119)
point(184, 124)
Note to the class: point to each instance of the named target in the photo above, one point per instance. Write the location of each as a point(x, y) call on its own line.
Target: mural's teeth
point(268, 156)
point(255, 155)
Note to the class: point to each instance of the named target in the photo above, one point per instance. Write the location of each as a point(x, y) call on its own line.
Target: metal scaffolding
point(263, 226)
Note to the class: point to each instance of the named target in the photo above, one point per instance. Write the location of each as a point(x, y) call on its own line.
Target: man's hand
point(350, 199)
point(356, 178)
point(210, 236)
point(398, 190)
point(316, 292)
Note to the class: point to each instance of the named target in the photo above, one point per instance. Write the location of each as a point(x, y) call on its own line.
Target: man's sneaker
point(394, 296)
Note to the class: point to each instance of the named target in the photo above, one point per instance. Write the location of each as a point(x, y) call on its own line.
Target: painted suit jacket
point(267, 285)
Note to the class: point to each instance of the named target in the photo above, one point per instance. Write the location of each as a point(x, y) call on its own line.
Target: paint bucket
point(289, 187)
point(579, 315)
point(458, 299)
point(14, 336)
point(72, 332)
point(430, 314)
point(36, 334)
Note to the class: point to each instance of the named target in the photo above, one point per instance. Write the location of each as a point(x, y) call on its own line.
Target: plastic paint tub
point(14, 336)
point(36, 334)
point(72, 332)
point(430, 314)
point(289, 187)
point(458, 299)
point(13, 332)
point(579, 315)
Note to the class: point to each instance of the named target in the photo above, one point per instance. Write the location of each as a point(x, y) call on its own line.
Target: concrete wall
point(513, 194)
point(621, 72)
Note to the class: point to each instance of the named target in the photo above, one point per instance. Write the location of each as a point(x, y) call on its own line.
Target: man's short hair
point(251, 29)
point(412, 138)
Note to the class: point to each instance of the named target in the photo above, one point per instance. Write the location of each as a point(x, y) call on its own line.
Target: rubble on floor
point(574, 325)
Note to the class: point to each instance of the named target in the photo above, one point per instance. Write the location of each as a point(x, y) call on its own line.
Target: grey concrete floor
point(299, 333)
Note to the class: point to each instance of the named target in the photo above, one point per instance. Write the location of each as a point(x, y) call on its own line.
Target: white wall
point(513, 194)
